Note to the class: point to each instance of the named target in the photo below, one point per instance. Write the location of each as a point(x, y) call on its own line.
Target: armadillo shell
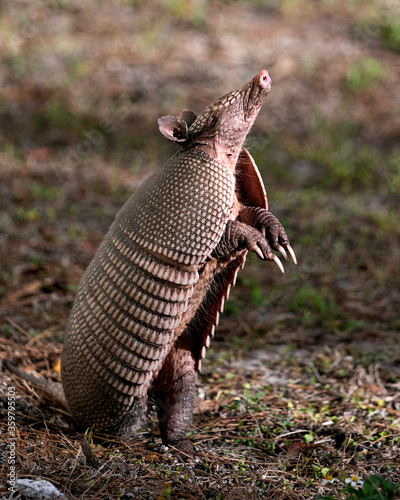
point(123, 322)
point(180, 212)
point(131, 301)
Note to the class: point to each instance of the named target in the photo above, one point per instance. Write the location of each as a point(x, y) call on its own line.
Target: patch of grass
point(331, 157)
point(346, 167)
point(393, 168)
point(44, 192)
point(54, 114)
point(19, 65)
point(195, 12)
point(308, 297)
point(386, 221)
point(26, 215)
point(257, 296)
point(390, 33)
point(58, 114)
point(364, 74)
point(341, 162)
point(314, 308)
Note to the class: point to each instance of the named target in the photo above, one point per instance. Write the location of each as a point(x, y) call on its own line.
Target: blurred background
point(82, 85)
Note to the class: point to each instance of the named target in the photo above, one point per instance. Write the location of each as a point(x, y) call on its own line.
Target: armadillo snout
point(265, 80)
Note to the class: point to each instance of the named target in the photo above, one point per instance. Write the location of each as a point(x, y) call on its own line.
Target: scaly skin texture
point(147, 306)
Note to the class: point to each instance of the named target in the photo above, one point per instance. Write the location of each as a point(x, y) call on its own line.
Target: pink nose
point(264, 79)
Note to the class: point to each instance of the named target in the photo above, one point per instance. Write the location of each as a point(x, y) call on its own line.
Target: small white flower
point(329, 479)
point(354, 481)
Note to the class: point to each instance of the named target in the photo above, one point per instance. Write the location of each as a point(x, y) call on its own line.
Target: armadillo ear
point(188, 116)
point(173, 128)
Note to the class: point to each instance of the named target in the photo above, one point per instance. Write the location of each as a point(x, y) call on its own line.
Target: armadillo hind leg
point(129, 424)
point(174, 394)
point(174, 388)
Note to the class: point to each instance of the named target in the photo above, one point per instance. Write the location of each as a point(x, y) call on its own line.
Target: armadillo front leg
point(270, 227)
point(174, 395)
point(239, 236)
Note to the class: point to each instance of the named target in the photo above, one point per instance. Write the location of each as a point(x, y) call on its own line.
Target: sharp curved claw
point(259, 252)
point(292, 254)
point(282, 250)
point(278, 262)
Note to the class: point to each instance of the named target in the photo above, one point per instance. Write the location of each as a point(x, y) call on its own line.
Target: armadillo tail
point(49, 389)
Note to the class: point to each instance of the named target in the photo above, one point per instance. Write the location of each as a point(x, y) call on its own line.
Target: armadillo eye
point(213, 121)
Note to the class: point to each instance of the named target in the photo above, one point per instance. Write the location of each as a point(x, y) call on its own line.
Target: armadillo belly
point(136, 295)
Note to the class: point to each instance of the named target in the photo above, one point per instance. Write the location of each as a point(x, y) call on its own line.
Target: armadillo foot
point(128, 425)
point(184, 449)
point(270, 227)
point(239, 236)
point(183, 445)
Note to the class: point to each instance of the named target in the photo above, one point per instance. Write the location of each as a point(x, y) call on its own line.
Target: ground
point(300, 389)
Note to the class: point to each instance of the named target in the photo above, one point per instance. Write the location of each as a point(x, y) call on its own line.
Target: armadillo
point(147, 305)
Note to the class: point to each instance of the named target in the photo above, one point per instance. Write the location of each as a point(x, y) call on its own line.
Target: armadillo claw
point(258, 251)
point(282, 250)
point(265, 253)
point(292, 254)
point(278, 262)
point(272, 230)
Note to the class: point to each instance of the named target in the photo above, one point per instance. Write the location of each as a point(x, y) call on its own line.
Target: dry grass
point(261, 429)
point(302, 381)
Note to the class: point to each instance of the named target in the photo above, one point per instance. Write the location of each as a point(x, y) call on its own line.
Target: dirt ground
point(299, 393)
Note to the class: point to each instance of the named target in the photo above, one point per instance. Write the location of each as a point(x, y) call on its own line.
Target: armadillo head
point(221, 129)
